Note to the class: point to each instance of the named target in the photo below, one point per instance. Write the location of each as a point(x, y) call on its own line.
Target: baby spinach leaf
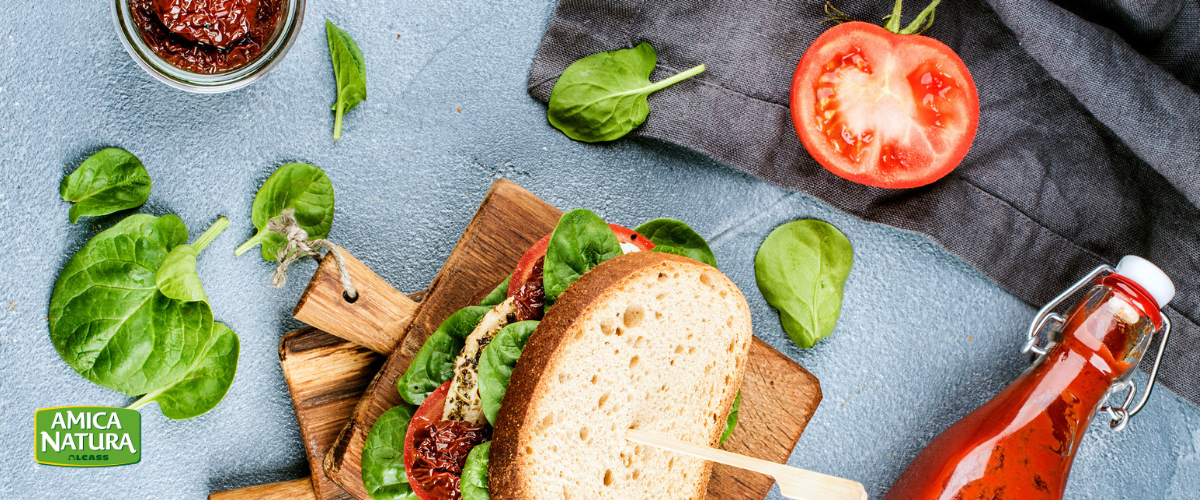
point(206, 385)
point(580, 241)
point(434, 363)
point(110, 321)
point(801, 269)
point(383, 456)
point(298, 186)
point(731, 420)
point(350, 70)
point(603, 96)
point(176, 277)
point(672, 236)
point(106, 182)
point(474, 484)
point(497, 362)
point(498, 295)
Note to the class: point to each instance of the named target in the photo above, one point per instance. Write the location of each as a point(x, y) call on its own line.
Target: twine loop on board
point(298, 246)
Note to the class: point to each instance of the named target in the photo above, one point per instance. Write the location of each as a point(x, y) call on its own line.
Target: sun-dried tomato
point(219, 23)
point(441, 450)
point(206, 36)
point(530, 298)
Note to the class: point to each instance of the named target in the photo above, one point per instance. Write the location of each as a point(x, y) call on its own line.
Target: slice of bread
point(647, 340)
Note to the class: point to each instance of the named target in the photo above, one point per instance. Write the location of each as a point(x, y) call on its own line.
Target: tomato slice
point(626, 235)
point(525, 266)
point(526, 282)
point(882, 109)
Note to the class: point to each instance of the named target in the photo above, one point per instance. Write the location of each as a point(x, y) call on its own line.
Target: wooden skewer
point(793, 482)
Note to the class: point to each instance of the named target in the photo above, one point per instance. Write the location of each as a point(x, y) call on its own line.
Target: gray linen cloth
point(1088, 145)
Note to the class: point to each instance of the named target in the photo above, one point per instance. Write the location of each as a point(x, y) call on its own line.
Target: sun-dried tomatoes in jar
point(219, 23)
point(206, 36)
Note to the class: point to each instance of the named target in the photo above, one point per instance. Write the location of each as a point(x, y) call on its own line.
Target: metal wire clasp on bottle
point(1048, 319)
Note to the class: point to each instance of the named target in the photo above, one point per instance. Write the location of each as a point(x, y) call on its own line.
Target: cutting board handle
point(375, 320)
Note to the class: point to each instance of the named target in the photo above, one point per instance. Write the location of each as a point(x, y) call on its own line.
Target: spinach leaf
point(496, 364)
point(581, 241)
point(110, 321)
point(672, 236)
point(349, 69)
point(731, 420)
point(498, 295)
point(434, 363)
point(106, 182)
point(206, 385)
point(383, 456)
point(298, 186)
point(474, 482)
point(801, 269)
point(176, 277)
point(602, 97)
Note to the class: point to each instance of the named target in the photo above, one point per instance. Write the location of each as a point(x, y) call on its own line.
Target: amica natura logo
point(87, 436)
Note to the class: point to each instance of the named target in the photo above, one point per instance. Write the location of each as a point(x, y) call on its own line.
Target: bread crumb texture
point(662, 349)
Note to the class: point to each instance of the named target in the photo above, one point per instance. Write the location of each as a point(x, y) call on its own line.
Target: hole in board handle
point(350, 299)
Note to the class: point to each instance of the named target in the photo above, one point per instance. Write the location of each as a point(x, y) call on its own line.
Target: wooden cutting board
point(325, 372)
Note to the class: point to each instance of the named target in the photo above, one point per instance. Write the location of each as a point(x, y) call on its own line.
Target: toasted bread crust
point(506, 481)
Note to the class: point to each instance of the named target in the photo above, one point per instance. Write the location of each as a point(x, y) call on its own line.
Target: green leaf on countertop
point(108, 181)
point(801, 269)
point(603, 96)
point(205, 385)
point(350, 70)
point(176, 277)
point(110, 321)
point(301, 187)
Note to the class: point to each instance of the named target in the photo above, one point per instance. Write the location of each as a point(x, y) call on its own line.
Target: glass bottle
point(1021, 443)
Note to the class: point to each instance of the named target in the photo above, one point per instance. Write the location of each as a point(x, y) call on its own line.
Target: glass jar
point(287, 27)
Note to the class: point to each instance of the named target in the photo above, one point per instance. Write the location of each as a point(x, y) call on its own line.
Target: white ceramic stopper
point(1149, 276)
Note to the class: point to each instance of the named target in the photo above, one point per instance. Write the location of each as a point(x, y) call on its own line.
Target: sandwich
point(528, 395)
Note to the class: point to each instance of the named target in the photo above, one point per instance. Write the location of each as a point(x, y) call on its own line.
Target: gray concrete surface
point(923, 338)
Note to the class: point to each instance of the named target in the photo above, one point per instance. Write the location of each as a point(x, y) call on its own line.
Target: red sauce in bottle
point(1021, 443)
point(206, 36)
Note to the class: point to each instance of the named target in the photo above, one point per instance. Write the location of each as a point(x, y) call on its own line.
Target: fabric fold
point(1088, 145)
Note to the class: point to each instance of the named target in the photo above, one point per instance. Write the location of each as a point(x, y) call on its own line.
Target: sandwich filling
point(471, 356)
point(463, 403)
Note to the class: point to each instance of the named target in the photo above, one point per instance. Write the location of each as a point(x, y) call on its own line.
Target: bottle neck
point(1136, 295)
point(1111, 328)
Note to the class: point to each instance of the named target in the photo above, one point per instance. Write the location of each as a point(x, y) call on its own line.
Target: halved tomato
point(884, 109)
point(526, 282)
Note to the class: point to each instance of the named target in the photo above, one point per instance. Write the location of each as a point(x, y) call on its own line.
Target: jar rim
point(273, 52)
